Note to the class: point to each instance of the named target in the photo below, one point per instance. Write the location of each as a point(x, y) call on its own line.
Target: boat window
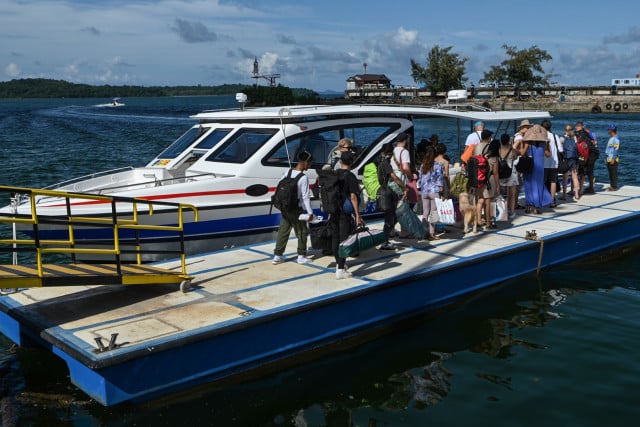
point(212, 139)
point(241, 145)
point(321, 143)
point(182, 143)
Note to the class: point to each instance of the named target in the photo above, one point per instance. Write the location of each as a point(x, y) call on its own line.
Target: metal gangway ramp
point(40, 274)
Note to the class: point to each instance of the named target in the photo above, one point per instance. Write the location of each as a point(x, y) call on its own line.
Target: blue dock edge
point(264, 338)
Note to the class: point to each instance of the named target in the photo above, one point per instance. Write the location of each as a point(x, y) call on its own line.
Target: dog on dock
point(468, 211)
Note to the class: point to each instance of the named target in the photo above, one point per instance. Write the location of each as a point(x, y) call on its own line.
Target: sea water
point(559, 349)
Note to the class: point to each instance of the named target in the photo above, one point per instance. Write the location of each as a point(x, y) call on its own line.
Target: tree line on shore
point(49, 88)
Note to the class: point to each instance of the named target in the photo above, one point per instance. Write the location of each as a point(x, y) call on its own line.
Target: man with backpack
point(589, 138)
point(293, 197)
point(487, 180)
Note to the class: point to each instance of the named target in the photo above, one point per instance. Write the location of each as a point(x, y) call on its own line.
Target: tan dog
point(468, 211)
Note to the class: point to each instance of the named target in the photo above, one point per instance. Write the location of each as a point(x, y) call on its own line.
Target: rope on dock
point(532, 235)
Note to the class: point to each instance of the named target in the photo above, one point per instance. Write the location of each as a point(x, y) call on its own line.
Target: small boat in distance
point(115, 102)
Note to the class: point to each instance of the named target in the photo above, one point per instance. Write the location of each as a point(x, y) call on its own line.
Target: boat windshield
point(239, 147)
point(182, 143)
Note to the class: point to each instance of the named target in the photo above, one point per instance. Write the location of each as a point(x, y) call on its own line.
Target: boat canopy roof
point(323, 112)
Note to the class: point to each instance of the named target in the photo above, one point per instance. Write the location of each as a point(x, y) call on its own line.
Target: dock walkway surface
point(244, 313)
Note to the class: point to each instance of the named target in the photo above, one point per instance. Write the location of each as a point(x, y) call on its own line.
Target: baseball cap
point(613, 127)
point(478, 123)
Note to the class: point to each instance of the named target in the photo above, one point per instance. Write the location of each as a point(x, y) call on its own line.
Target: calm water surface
point(561, 349)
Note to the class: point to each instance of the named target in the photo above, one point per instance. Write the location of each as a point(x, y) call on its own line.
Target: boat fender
point(596, 109)
point(616, 106)
point(608, 106)
point(625, 106)
point(256, 190)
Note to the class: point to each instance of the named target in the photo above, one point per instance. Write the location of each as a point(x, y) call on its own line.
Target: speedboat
point(229, 163)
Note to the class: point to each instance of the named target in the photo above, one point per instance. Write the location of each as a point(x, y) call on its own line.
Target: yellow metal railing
point(68, 221)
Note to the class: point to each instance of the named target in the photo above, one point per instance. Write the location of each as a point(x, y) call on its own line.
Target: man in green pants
point(290, 216)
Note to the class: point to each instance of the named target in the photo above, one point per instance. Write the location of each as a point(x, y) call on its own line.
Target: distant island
point(49, 88)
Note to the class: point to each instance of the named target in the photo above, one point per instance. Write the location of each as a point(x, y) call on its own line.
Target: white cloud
point(12, 70)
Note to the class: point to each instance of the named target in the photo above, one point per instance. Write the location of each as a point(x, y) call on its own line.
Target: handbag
point(412, 193)
point(564, 165)
point(524, 164)
point(445, 211)
point(361, 240)
point(499, 209)
point(468, 152)
point(385, 199)
point(321, 238)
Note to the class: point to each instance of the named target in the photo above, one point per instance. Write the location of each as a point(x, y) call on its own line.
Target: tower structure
point(271, 78)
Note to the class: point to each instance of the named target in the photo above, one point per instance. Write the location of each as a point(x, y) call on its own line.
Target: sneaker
point(512, 215)
point(342, 274)
point(302, 259)
point(388, 247)
point(277, 259)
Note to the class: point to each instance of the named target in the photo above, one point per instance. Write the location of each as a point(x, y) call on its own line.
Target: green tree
point(522, 68)
point(444, 70)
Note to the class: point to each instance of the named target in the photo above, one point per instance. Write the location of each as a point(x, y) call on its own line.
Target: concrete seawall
point(614, 104)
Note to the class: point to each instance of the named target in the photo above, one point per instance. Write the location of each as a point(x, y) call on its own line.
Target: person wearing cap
point(492, 189)
point(342, 222)
point(290, 219)
point(612, 160)
point(475, 137)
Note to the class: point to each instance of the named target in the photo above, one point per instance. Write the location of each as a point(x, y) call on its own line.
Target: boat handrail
point(107, 190)
point(110, 221)
point(88, 176)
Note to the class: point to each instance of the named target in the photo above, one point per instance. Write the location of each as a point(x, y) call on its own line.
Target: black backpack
point(285, 197)
point(504, 170)
point(331, 183)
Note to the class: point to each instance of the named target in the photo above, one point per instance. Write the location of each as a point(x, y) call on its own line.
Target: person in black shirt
point(343, 223)
point(386, 174)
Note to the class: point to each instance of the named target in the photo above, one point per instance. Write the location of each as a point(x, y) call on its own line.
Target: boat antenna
point(281, 113)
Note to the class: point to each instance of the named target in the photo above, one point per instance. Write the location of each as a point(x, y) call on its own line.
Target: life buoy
point(616, 106)
point(625, 106)
point(596, 109)
point(608, 106)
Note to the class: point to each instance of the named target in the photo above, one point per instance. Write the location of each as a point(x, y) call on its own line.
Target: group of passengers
point(549, 160)
point(571, 157)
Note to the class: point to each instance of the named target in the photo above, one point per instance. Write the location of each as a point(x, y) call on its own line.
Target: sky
point(315, 44)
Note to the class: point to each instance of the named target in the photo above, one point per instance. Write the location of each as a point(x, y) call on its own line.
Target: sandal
point(528, 209)
point(537, 211)
point(433, 237)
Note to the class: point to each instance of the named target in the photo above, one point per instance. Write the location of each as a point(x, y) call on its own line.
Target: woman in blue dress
point(537, 196)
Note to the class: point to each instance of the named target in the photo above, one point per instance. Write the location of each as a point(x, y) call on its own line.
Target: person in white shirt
point(551, 162)
point(291, 219)
point(475, 137)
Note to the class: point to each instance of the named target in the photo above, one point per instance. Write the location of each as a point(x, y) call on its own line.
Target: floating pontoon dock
point(244, 313)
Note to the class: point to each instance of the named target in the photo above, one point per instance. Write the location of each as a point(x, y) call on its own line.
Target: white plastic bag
point(445, 211)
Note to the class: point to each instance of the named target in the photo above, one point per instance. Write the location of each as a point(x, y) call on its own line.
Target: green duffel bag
point(361, 240)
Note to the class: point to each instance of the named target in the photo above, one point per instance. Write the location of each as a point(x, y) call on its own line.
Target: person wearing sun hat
point(612, 159)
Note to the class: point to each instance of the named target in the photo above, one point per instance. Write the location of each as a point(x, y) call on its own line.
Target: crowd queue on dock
point(550, 168)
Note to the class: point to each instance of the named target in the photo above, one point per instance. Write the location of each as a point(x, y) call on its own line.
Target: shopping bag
point(363, 239)
point(410, 221)
point(446, 211)
point(499, 209)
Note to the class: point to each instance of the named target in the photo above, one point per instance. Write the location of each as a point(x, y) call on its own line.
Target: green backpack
point(370, 180)
point(459, 185)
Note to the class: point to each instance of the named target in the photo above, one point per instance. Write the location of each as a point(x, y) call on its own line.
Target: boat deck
point(277, 310)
